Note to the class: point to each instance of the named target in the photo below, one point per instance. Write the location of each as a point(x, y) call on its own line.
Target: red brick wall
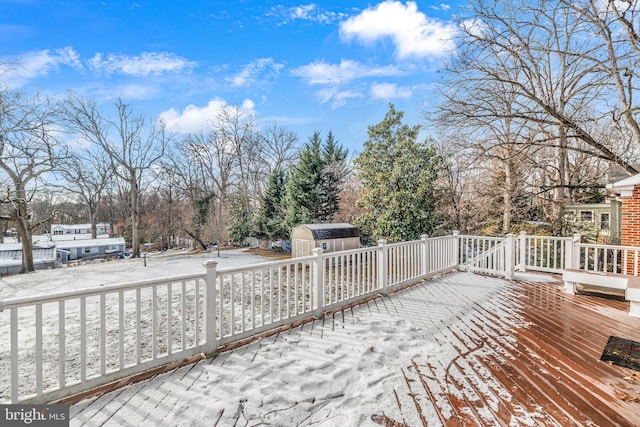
point(630, 226)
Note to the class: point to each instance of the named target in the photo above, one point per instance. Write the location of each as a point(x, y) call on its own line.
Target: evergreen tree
point(240, 218)
point(302, 191)
point(398, 177)
point(271, 215)
point(334, 171)
point(312, 190)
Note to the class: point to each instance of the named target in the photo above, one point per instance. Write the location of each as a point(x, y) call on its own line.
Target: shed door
point(303, 247)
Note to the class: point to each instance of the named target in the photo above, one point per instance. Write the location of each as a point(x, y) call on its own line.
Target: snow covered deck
point(460, 350)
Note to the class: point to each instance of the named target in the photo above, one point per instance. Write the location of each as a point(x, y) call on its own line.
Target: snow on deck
point(455, 350)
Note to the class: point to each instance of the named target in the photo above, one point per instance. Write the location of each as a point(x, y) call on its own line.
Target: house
point(628, 192)
point(70, 250)
point(605, 218)
point(44, 256)
point(79, 229)
point(329, 237)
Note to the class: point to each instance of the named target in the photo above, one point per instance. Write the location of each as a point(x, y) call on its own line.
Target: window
point(57, 232)
point(586, 216)
point(326, 246)
point(605, 220)
point(570, 216)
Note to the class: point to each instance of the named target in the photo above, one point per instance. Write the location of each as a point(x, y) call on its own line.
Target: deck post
point(317, 266)
point(572, 253)
point(210, 319)
point(383, 272)
point(425, 254)
point(510, 257)
point(523, 251)
point(455, 255)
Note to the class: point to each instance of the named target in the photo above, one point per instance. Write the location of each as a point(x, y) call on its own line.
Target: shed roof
point(339, 230)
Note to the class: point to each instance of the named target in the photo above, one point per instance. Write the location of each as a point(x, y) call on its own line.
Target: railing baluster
point(83, 339)
point(121, 330)
point(103, 336)
point(15, 388)
point(62, 358)
point(253, 299)
point(183, 316)
point(196, 314)
point(243, 314)
point(39, 350)
point(154, 322)
point(138, 325)
point(169, 318)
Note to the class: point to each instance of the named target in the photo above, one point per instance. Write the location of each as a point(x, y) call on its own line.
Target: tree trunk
point(559, 191)
point(93, 213)
point(508, 198)
point(24, 231)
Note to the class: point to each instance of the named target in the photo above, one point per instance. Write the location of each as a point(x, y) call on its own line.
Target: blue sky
point(331, 65)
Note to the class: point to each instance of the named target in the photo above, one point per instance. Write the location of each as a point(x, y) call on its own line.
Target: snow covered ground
point(161, 264)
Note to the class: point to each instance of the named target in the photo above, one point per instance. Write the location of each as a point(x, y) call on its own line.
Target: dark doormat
point(622, 352)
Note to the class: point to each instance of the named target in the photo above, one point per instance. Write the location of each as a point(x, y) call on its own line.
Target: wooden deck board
point(550, 365)
point(497, 354)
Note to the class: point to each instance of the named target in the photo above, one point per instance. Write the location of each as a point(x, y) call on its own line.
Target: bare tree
point(86, 175)
point(131, 145)
point(29, 150)
point(531, 76)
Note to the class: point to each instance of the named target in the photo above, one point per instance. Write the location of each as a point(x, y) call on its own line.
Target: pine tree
point(334, 171)
point(303, 191)
point(240, 218)
point(312, 191)
point(271, 215)
point(398, 176)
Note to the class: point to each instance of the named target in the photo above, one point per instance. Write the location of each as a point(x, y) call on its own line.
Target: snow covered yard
point(161, 264)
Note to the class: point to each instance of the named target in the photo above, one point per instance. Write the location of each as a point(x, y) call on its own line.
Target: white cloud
point(39, 63)
point(194, 118)
point(253, 70)
point(308, 12)
point(147, 63)
point(347, 70)
point(441, 6)
point(336, 97)
point(412, 32)
point(389, 91)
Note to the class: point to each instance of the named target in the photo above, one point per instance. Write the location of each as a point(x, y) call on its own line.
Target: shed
point(329, 237)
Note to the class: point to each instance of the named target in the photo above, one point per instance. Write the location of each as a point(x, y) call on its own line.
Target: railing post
point(318, 281)
point(383, 260)
point(572, 255)
point(210, 318)
point(510, 257)
point(523, 251)
point(456, 249)
point(425, 254)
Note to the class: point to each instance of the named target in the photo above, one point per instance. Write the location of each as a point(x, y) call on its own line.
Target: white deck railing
point(53, 346)
point(606, 258)
point(543, 253)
